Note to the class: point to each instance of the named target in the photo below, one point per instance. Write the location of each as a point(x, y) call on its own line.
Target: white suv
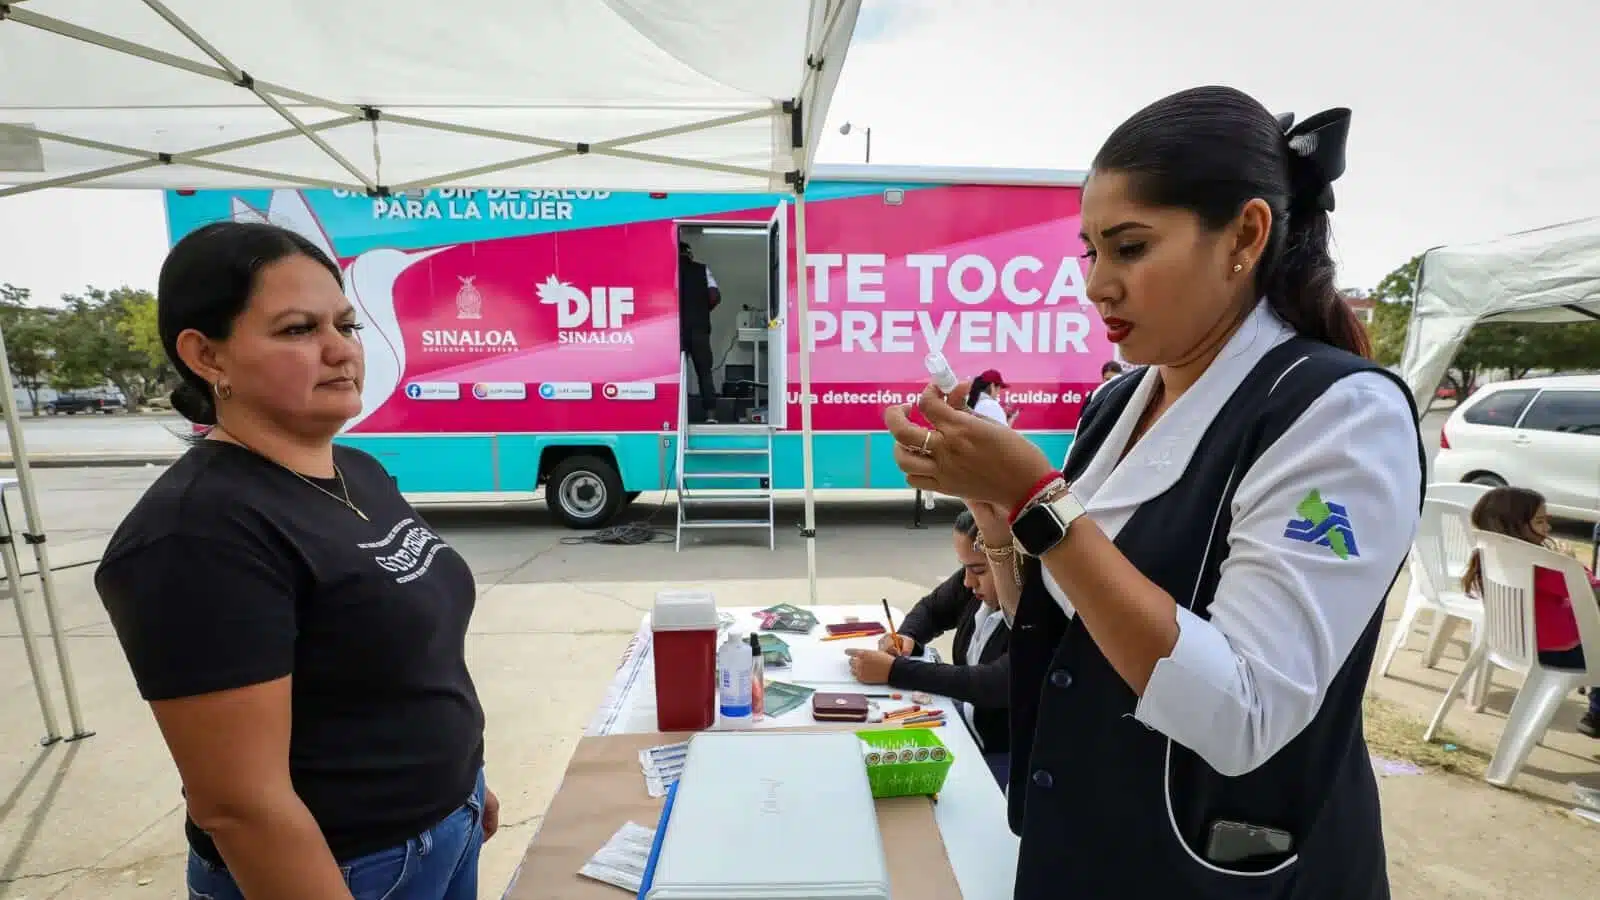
point(1540, 433)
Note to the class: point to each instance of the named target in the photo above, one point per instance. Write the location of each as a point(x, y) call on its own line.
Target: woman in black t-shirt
point(296, 627)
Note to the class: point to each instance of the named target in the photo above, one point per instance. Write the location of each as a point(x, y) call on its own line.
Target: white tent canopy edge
point(1549, 274)
point(685, 95)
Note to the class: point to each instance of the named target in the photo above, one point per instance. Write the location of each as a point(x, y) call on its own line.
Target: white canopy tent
point(1546, 275)
point(385, 96)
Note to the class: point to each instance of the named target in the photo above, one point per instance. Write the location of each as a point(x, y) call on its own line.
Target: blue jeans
point(438, 864)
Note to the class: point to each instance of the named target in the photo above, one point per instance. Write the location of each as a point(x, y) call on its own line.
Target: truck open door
point(778, 316)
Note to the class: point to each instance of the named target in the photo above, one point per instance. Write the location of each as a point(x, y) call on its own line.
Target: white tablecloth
point(971, 811)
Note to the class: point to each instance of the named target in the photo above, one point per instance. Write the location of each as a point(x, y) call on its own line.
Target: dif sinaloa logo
point(597, 317)
point(469, 309)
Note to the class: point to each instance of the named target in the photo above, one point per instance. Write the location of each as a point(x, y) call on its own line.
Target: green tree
point(1399, 286)
point(103, 338)
point(1388, 331)
point(140, 327)
point(29, 333)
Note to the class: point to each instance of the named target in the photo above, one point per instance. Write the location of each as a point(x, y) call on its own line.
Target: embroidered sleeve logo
point(1324, 524)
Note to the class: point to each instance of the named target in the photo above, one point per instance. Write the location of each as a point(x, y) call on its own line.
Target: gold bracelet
point(998, 554)
point(993, 552)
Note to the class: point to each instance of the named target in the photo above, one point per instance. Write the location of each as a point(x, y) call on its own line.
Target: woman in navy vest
point(1197, 593)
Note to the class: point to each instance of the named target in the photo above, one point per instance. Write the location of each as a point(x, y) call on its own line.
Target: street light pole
point(866, 131)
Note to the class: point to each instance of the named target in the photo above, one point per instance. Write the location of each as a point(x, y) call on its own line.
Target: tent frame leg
point(35, 535)
point(803, 309)
point(30, 646)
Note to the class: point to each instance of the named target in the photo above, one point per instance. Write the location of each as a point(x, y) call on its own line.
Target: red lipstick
point(1117, 330)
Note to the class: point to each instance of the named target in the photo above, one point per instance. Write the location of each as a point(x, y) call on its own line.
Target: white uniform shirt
point(1287, 613)
point(984, 622)
point(990, 409)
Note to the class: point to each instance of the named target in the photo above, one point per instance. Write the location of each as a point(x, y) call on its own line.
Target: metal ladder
point(724, 473)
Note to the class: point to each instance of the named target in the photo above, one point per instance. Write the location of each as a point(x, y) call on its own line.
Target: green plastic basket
point(920, 763)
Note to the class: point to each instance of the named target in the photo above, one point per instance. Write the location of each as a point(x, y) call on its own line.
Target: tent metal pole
point(30, 646)
point(803, 315)
point(35, 535)
point(248, 83)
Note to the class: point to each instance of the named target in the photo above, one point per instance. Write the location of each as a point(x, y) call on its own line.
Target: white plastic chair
point(1438, 559)
point(1461, 492)
point(1510, 642)
point(1459, 542)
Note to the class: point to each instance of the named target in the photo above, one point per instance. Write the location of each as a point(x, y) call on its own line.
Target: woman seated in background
point(980, 677)
point(1520, 513)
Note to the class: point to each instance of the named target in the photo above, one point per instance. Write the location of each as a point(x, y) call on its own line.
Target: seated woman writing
point(980, 677)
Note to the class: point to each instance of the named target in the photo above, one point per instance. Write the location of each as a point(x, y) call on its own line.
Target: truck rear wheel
point(584, 492)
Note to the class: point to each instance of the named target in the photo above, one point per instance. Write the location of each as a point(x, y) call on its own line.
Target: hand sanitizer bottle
point(734, 698)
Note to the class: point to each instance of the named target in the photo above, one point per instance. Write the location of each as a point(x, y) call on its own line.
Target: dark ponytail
point(205, 285)
point(1211, 150)
point(979, 385)
point(192, 402)
point(1297, 278)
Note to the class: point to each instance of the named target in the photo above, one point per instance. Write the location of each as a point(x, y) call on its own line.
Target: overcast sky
point(1471, 119)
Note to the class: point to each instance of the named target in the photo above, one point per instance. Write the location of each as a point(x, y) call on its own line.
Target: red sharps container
point(683, 627)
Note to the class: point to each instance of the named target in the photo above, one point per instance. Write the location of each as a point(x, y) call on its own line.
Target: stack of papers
point(661, 766)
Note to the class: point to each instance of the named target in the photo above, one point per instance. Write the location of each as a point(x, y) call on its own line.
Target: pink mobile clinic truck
point(526, 338)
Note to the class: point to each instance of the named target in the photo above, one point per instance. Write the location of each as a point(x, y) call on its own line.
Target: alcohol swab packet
point(652, 757)
point(621, 862)
point(661, 766)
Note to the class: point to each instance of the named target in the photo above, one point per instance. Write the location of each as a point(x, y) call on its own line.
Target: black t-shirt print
point(233, 571)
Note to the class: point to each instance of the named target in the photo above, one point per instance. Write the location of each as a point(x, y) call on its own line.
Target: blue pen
point(649, 876)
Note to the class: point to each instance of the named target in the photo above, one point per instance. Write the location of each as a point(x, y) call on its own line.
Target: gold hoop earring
point(222, 390)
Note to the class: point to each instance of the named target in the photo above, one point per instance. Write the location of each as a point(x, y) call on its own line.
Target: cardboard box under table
point(603, 790)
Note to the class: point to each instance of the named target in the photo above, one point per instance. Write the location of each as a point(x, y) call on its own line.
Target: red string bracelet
point(1039, 486)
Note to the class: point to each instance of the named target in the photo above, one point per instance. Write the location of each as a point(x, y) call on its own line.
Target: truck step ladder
point(724, 476)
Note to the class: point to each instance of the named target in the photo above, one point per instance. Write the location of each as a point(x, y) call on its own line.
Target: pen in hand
point(894, 638)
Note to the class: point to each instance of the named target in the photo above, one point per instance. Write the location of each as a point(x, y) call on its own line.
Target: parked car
point(1539, 433)
point(72, 403)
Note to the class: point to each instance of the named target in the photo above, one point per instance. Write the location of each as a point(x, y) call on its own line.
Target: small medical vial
point(944, 377)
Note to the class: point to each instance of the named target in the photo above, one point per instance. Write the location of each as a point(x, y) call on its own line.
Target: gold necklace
point(343, 488)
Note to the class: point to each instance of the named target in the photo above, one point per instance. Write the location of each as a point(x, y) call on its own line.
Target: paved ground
point(101, 818)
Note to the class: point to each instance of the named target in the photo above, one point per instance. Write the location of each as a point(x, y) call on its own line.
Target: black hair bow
point(1316, 156)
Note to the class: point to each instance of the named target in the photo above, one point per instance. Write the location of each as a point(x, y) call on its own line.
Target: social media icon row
point(516, 390)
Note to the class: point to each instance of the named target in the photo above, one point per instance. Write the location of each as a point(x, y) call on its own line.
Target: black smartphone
point(1237, 842)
